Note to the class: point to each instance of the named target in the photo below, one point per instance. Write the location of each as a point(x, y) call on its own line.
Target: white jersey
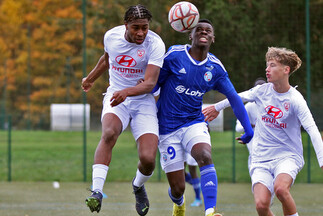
point(128, 61)
point(250, 108)
point(278, 126)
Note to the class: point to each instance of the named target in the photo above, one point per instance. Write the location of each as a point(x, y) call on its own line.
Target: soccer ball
point(183, 16)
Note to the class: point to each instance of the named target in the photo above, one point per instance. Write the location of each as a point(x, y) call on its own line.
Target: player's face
point(137, 30)
point(276, 71)
point(202, 35)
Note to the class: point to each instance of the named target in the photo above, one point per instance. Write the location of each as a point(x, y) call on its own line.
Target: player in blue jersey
point(188, 72)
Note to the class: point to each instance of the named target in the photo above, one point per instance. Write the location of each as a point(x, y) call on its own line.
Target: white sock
point(99, 174)
point(140, 179)
point(209, 211)
point(296, 214)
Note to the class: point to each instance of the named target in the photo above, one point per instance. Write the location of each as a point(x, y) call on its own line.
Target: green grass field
point(41, 199)
point(52, 155)
point(41, 157)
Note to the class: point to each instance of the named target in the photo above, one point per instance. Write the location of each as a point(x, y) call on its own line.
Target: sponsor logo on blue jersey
point(181, 89)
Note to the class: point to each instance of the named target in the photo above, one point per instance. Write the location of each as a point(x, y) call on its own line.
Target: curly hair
point(284, 56)
point(137, 12)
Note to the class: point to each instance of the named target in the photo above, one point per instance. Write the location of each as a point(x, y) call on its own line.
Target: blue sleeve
point(241, 113)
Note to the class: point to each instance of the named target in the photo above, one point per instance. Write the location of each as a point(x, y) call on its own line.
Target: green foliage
point(41, 47)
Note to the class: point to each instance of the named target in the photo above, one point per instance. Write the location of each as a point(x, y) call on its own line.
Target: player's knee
point(262, 207)
point(147, 161)
point(204, 158)
point(178, 190)
point(281, 192)
point(109, 135)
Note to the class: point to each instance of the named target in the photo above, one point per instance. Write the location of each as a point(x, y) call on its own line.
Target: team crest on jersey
point(164, 157)
point(286, 106)
point(141, 52)
point(208, 76)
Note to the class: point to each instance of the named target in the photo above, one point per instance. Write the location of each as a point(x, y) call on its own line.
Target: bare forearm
point(98, 70)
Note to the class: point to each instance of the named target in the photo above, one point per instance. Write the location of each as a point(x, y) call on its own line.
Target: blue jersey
point(183, 82)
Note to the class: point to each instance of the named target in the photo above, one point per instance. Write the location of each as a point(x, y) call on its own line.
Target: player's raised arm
point(98, 70)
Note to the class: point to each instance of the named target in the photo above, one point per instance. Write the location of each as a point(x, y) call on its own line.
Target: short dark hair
point(205, 21)
point(137, 12)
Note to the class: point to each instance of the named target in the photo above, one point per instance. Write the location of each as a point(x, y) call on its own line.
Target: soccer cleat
point(142, 202)
point(179, 210)
point(94, 201)
point(197, 202)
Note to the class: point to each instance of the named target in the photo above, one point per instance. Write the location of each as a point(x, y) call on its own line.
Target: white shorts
point(267, 172)
point(190, 160)
point(174, 146)
point(140, 112)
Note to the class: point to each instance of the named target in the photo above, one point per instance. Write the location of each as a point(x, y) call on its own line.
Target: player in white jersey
point(132, 53)
point(277, 150)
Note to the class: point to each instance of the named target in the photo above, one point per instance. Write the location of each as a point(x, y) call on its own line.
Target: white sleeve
point(157, 53)
point(245, 96)
point(308, 123)
point(239, 127)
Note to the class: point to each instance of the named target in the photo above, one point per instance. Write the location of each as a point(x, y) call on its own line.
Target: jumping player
point(188, 72)
point(277, 150)
point(132, 53)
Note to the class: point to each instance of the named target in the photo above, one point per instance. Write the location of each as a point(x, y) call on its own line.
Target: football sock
point(296, 214)
point(197, 187)
point(99, 174)
point(177, 201)
point(188, 177)
point(140, 179)
point(209, 185)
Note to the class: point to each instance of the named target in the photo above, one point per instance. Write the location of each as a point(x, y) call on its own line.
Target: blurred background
point(45, 50)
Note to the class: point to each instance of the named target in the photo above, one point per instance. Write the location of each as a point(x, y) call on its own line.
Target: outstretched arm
point(98, 70)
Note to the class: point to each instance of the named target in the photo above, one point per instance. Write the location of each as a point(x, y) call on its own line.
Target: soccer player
point(277, 150)
point(188, 72)
point(132, 52)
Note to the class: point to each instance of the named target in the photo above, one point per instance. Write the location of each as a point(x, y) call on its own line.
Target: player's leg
point(201, 152)
point(198, 141)
point(262, 198)
point(147, 148)
point(262, 187)
point(286, 171)
point(195, 180)
point(144, 126)
point(176, 180)
point(111, 128)
point(282, 186)
point(172, 158)
point(114, 121)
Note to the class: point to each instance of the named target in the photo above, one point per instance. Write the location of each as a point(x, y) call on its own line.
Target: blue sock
point(197, 187)
point(188, 178)
point(178, 201)
point(209, 185)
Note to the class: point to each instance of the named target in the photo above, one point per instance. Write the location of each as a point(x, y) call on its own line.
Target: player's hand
point(245, 138)
point(322, 167)
point(118, 97)
point(210, 113)
point(86, 85)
